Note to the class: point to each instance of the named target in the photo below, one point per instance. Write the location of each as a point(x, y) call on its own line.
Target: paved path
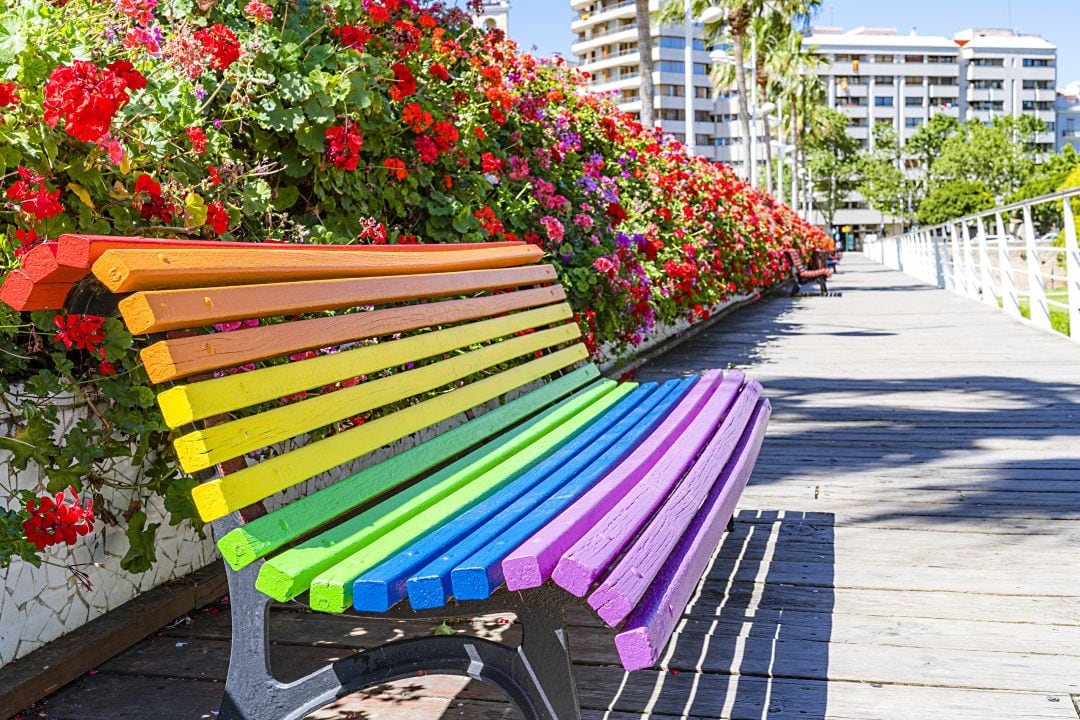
point(906, 549)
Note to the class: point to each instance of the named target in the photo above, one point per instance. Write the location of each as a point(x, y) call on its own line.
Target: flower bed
point(373, 121)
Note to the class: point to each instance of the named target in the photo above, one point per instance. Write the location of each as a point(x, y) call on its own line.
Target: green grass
point(1059, 316)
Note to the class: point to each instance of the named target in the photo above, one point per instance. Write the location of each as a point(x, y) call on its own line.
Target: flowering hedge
point(362, 121)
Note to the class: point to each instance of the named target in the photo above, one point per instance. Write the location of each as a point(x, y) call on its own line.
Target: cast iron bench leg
point(536, 677)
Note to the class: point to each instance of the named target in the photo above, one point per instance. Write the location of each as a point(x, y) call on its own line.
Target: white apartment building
point(873, 75)
point(1068, 116)
point(495, 15)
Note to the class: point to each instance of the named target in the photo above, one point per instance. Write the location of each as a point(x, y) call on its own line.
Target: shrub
point(373, 121)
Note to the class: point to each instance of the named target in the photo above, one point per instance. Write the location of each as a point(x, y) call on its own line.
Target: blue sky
point(545, 24)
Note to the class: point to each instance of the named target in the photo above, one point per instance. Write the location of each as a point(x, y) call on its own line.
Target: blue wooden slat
point(382, 587)
point(479, 573)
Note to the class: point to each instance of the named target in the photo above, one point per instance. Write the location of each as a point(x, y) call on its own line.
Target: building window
point(1037, 84)
point(701, 68)
point(912, 122)
point(672, 91)
point(884, 58)
point(913, 102)
point(702, 116)
point(672, 114)
point(886, 101)
point(940, 59)
point(703, 139)
point(884, 79)
point(673, 42)
point(987, 84)
point(703, 93)
point(914, 58)
point(1038, 62)
point(988, 62)
point(988, 105)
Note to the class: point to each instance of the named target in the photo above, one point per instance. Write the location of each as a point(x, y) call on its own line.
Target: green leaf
point(195, 207)
point(140, 555)
point(63, 478)
point(287, 196)
point(179, 503)
point(13, 542)
point(287, 119)
point(12, 40)
point(33, 442)
point(256, 197)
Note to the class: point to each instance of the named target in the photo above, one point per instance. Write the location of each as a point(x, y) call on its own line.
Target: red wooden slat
point(42, 266)
point(22, 293)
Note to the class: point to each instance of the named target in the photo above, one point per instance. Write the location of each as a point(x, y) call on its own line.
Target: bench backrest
point(420, 334)
point(796, 261)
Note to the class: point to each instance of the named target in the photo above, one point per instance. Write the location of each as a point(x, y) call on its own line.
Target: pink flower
point(553, 227)
point(259, 11)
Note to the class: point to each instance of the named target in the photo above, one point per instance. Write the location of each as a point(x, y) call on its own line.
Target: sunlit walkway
point(906, 549)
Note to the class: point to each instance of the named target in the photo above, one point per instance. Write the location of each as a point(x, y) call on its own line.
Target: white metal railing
point(1030, 278)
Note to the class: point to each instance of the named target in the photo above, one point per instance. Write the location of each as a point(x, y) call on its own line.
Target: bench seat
point(527, 480)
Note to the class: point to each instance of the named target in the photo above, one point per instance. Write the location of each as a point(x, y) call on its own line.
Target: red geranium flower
point(404, 83)
point(396, 166)
point(352, 36)
point(86, 97)
point(259, 11)
point(9, 94)
point(343, 147)
point(446, 135)
point(198, 139)
point(221, 44)
point(439, 71)
point(53, 520)
point(429, 151)
point(133, 79)
point(217, 217)
point(616, 213)
point(490, 164)
point(33, 196)
point(83, 332)
point(416, 117)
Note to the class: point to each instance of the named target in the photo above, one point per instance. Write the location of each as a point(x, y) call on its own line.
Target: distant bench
point(803, 275)
point(617, 493)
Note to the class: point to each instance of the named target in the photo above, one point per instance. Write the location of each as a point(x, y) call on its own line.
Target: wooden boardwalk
point(906, 548)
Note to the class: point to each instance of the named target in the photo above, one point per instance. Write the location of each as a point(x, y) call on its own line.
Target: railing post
point(1040, 311)
point(939, 259)
point(986, 278)
point(1072, 268)
point(1010, 303)
point(971, 282)
point(957, 265)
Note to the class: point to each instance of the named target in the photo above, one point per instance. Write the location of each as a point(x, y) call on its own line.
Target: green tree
point(1049, 176)
point(833, 158)
point(991, 155)
point(954, 199)
point(881, 177)
point(737, 25)
point(924, 146)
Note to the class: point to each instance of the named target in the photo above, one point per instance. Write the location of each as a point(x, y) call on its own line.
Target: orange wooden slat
point(84, 250)
point(163, 310)
point(22, 293)
point(131, 270)
point(182, 357)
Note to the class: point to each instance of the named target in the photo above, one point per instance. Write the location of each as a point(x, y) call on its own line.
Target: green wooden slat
point(332, 590)
point(262, 536)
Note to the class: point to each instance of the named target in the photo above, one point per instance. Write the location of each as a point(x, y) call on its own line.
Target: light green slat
point(264, 535)
point(291, 572)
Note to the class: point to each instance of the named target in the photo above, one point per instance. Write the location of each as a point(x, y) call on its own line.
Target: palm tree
point(793, 76)
point(737, 24)
point(644, 40)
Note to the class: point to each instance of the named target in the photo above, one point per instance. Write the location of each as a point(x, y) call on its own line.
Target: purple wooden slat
point(583, 562)
point(649, 627)
point(624, 587)
point(532, 562)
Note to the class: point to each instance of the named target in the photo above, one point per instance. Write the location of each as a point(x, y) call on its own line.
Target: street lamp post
point(688, 60)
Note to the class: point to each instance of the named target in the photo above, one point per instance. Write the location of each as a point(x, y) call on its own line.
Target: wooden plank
point(627, 582)
point(201, 449)
point(44, 671)
point(583, 562)
point(645, 634)
point(215, 499)
point(475, 567)
point(291, 572)
point(164, 310)
point(261, 536)
point(41, 266)
point(384, 586)
point(183, 404)
point(23, 294)
point(78, 250)
point(133, 270)
point(182, 357)
point(530, 565)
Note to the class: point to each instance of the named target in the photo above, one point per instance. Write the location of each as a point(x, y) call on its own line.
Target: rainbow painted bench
point(510, 476)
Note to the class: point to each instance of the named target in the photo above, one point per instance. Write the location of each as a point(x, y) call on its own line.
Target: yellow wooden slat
point(184, 404)
point(201, 449)
point(132, 270)
point(217, 498)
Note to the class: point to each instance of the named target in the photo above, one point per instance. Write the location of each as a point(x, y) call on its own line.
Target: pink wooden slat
point(532, 562)
point(649, 627)
point(583, 562)
point(628, 581)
